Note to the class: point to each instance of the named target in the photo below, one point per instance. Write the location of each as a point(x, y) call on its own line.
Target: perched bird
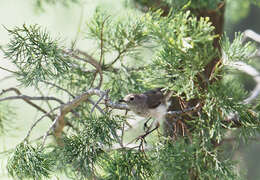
point(151, 104)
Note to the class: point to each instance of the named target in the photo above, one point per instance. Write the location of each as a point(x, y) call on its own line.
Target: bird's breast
point(159, 112)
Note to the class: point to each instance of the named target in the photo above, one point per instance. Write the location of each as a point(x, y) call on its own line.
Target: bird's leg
point(142, 137)
point(146, 127)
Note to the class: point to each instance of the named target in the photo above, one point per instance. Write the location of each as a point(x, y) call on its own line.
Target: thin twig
point(191, 109)
point(97, 106)
point(254, 74)
point(93, 62)
point(88, 59)
point(252, 35)
point(24, 97)
point(59, 87)
point(42, 94)
point(37, 121)
point(8, 70)
point(123, 133)
point(100, 99)
point(120, 53)
point(51, 127)
point(26, 100)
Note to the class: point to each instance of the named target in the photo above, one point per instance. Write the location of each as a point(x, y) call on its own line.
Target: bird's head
point(133, 99)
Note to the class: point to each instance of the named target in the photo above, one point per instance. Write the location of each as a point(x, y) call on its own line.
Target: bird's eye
point(131, 98)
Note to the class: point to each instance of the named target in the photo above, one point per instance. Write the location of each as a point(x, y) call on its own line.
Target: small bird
point(150, 104)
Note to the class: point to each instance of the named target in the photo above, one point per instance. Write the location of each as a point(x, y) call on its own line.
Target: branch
point(27, 101)
point(66, 108)
point(47, 133)
point(69, 93)
point(191, 109)
point(37, 121)
point(102, 41)
point(252, 35)
point(91, 61)
point(254, 74)
point(24, 97)
point(55, 85)
point(8, 70)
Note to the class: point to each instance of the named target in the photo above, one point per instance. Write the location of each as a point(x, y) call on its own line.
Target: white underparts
point(159, 112)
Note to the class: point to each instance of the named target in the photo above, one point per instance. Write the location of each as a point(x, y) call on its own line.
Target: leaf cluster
point(29, 162)
point(178, 5)
point(36, 55)
point(180, 160)
point(183, 53)
point(127, 164)
point(122, 37)
point(82, 151)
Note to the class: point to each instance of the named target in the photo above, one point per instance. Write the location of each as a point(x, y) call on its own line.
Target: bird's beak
point(122, 100)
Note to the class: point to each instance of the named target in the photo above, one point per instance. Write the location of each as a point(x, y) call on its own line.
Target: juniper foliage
point(91, 147)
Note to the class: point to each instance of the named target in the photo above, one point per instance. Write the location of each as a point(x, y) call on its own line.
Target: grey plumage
point(152, 103)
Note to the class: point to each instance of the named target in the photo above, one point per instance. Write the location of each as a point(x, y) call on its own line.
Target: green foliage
point(35, 54)
point(29, 162)
point(80, 153)
point(196, 4)
point(184, 51)
point(122, 38)
point(180, 160)
point(183, 48)
point(124, 82)
point(82, 150)
point(236, 51)
point(224, 100)
point(179, 4)
point(127, 164)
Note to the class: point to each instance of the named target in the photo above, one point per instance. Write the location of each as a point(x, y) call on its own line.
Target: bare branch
point(254, 74)
point(24, 97)
point(100, 99)
point(27, 101)
point(65, 90)
point(51, 127)
point(93, 62)
point(37, 121)
point(252, 35)
point(191, 109)
point(66, 108)
point(8, 70)
point(55, 85)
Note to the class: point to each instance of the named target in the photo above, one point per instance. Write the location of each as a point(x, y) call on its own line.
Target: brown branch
point(88, 59)
point(93, 62)
point(65, 90)
point(8, 70)
point(66, 108)
point(27, 101)
point(24, 97)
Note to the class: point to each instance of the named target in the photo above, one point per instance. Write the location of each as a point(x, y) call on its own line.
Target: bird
point(150, 104)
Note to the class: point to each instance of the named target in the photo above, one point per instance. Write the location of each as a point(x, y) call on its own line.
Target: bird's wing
point(154, 98)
